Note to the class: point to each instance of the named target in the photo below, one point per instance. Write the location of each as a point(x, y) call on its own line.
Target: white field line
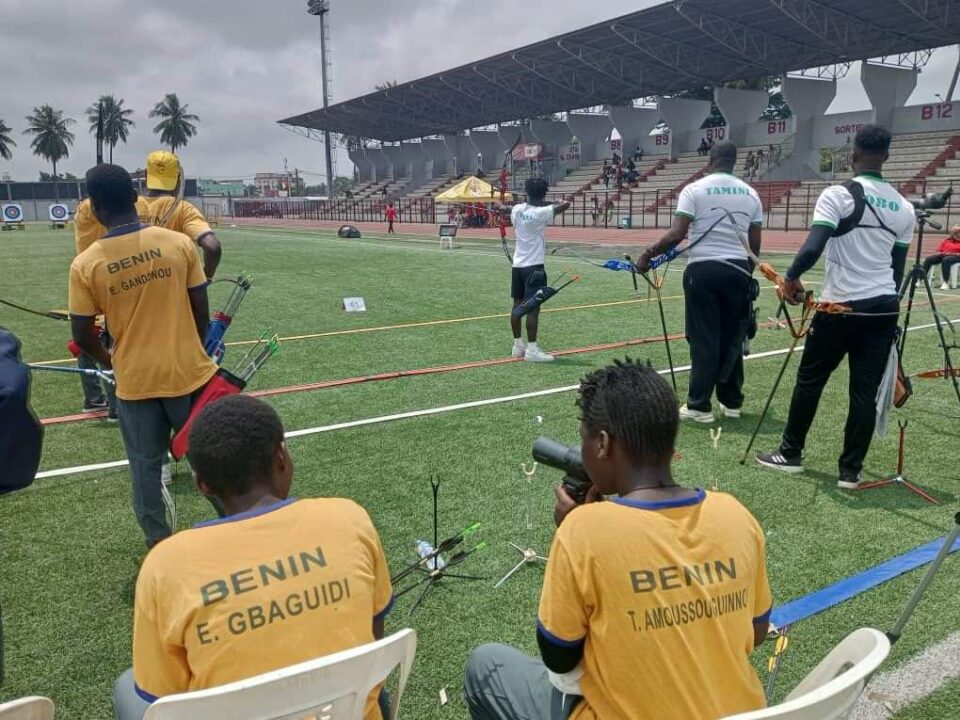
point(81, 469)
point(919, 677)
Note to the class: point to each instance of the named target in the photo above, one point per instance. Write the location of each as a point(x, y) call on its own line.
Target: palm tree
point(51, 136)
point(116, 120)
point(177, 126)
point(5, 141)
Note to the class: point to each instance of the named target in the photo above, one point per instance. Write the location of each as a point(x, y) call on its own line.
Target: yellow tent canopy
point(473, 189)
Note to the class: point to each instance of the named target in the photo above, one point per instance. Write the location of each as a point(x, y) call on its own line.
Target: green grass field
point(70, 547)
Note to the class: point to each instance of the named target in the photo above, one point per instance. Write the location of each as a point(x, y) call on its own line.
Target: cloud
point(244, 64)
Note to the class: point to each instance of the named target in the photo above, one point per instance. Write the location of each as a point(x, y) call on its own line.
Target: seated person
point(276, 582)
point(948, 255)
point(658, 596)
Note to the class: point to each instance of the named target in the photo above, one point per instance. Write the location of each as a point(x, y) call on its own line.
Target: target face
point(59, 212)
point(12, 213)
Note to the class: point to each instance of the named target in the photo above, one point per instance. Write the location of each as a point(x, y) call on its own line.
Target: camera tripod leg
point(773, 392)
point(945, 549)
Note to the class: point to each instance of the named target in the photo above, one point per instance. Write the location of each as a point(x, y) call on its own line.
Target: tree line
point(53, 138)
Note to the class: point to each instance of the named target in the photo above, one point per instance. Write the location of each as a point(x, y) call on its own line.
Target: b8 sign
point(942, 111)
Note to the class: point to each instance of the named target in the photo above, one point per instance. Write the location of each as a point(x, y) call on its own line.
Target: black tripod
point(917, 275)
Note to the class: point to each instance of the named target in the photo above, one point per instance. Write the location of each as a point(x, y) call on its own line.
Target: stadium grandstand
point(566, 106)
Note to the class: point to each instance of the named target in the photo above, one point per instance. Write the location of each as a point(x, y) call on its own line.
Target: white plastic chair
point(28, 708)
point(334, 687)
point(831, 689)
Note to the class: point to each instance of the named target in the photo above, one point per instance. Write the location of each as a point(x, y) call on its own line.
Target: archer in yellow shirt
point(161, 207)
point(148, 285)
point(276, 582)
point(653, 601)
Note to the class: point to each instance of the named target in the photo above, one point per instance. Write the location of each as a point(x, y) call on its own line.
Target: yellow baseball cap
point(163, 170)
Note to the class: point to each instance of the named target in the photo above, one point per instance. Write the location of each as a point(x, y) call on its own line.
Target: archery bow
point(52, 314)
point(501, 217)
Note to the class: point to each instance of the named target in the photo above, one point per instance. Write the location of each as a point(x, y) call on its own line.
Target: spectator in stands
point(157, 311)
point(530, 220)
point(625, 613)
point(391, 216)
point(947, 256)
point(703, 148)
point(595, 210)
point(619, 176)
point(762, 158)
point(617, 160)
point(276, 582)
point(383, 191)
point(607, 170)
point(720, 213)
point(866, 263)
point(750, 164)
point(638, 154)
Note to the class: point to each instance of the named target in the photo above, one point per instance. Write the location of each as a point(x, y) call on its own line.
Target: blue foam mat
point(825, 598)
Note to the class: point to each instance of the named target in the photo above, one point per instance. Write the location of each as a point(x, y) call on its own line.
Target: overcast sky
point(243, 64)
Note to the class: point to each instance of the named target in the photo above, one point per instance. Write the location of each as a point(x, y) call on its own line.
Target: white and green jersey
point(721, 208)
point(857, 265)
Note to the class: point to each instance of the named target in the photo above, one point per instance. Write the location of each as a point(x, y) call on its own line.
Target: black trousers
point(866, 341)
point(717, 311)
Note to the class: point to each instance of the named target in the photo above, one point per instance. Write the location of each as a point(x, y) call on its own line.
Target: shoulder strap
point(859, 205)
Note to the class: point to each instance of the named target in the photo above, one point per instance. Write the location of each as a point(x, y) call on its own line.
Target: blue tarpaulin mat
point(816, 602)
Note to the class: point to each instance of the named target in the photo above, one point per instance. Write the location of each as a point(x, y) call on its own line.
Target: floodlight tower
point(321, 8)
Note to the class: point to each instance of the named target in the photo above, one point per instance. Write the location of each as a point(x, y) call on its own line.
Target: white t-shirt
point(529, 223)
point(857, 266)
point(706, 202)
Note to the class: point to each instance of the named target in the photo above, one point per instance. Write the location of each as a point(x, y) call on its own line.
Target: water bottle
point(425, 550)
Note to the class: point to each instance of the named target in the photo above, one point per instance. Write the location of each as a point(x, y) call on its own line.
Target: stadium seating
point(919, 162)
point(333, 688)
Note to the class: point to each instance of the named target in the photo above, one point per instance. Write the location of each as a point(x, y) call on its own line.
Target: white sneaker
point(165, 476)
point(535, 354)
point(696, 415)
point(729, 412)
point(944, 286)
point(519, 349)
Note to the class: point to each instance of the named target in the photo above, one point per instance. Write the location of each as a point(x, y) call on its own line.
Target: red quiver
point(221, 385)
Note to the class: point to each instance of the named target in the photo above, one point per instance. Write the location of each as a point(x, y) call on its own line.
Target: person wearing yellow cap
point(160, 206)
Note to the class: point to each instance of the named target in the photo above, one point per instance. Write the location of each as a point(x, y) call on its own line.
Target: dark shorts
point(526, 281)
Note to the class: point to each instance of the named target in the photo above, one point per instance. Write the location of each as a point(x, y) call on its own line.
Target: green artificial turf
point(70, 547)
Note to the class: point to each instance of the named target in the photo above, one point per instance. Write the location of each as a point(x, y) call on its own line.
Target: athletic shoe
point(537, 355)
point(95, 405)
point(696, 415)
point(165, 477)
point(849, 481)
point(112, 416)
point(519, 349)
point(944, 286)
point(778, 461)
point(732, 413)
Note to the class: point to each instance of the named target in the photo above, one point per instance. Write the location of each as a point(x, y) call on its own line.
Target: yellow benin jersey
point(258, 591)
point(186, 219)
point(138, 281)
point(663, 597)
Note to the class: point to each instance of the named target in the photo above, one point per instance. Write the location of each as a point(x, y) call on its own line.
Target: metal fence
point(786, 207)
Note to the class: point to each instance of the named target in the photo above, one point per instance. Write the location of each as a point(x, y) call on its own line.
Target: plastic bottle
point(425, 550)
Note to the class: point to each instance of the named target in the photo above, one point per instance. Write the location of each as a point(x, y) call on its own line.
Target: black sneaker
point(112, 416)
point(97, 405)
point(849, 481)
point(778, 461)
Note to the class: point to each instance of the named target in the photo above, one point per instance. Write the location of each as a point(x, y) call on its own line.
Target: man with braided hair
point(653, 600)
point(864, 228)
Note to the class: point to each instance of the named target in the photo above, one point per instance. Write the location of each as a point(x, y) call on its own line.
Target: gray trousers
point(502, 683)
point(127, 705)
point(92, 387)
point(147, 426)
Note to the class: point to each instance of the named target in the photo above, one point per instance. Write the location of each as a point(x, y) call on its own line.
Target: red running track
point(773, 240)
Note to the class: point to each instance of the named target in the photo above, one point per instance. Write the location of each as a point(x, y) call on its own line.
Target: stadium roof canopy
point(657, 51)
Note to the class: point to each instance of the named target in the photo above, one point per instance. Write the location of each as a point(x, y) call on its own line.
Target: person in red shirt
point(391, 216)
point(948, 255)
